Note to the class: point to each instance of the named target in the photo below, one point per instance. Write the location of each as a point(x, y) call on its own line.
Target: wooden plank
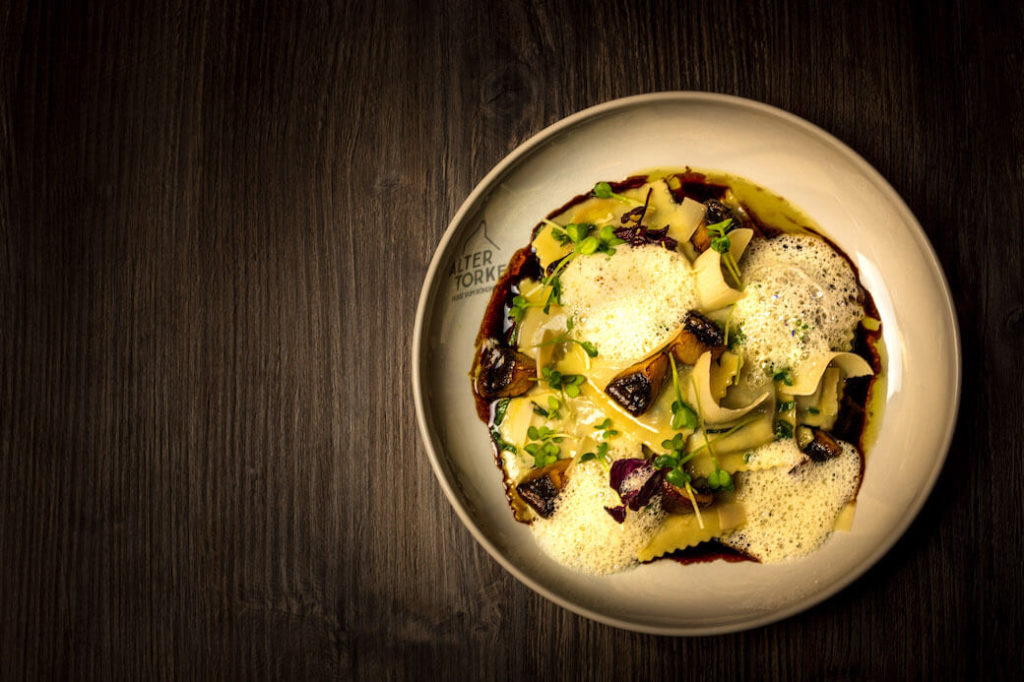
point(214, 222)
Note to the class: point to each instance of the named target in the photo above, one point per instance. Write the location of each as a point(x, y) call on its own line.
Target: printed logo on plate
point(477, 267)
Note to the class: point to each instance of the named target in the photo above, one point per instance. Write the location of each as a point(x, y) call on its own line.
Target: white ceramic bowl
point(789, 156)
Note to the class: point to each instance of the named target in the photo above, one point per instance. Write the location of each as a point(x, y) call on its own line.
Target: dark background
point(214, 224)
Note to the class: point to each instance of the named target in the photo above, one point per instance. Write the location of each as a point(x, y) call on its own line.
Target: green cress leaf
point(603, 190)
point(677, 477)
point(663, 461)
point(683, 415)
point(720, 479)
point(720, 228)
point(589, 246)
point(783, 429)
point(500, 410)
point(502, 443)
point(785, 375)
point(601, 455)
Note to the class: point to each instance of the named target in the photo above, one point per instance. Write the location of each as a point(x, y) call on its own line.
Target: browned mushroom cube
point(817, 444)
point(701, 239)
point(698, 336)
point(636, 387)
point(503, 372)
point(540, 488)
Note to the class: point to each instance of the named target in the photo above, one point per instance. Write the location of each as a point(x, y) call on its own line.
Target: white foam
point(800, 302)
point(580, 534)
point(629, 304)
point(790, 515)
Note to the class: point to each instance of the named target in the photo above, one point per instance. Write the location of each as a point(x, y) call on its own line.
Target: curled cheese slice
point(537, 332)
point(712, 412)
point(547, 248)
point(601, 211)
point(712, 288)
point(682, 219)
point(808, 374)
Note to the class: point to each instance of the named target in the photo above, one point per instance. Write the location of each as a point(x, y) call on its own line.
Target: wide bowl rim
point(429, 289)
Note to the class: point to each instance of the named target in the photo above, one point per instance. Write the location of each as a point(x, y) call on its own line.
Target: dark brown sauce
point(632, 182)
point(857, 392)
point(495, 324)
point(706, 552)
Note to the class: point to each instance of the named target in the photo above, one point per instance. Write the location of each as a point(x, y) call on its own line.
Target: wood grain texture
point(214, 223)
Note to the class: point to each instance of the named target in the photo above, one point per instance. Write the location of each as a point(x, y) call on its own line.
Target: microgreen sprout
point(785, 375)
point(606, 429)
point(601, 455)
point(676, 475)
point(721, 243)
point(584, 243)
point(674, 461)
point(500, 409)
point(554, 280)
point(603, 190)
point(566, 383)
point(545, 448)
point(586, 239)
point(501, 443)
point(718, 479)
point(554, 405)
point(519, 305)
point(683, 416)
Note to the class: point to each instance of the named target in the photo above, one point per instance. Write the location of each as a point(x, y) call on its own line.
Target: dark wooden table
point(214, 224)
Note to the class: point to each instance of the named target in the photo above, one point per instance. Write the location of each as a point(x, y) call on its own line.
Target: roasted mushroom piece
point(701, 239)
point(716, 213)
point(540, 488)
point(699, 335)
point(676, 500)
point(817, 444)
point(636, 387)
point(503, 372)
